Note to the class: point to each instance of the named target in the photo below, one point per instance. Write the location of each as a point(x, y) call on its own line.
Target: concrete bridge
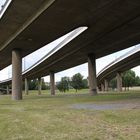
point(29, 25)
point(115, 69)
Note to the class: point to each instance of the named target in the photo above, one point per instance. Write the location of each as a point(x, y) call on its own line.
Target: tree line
point(76, 82)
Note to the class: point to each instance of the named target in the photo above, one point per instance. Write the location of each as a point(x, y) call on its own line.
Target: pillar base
point(93, 91)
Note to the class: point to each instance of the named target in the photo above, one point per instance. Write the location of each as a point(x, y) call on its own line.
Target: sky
point(83, 69)
point(2, 2)
point(4, 7)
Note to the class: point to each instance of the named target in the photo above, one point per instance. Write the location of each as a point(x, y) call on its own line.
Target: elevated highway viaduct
point(29, 25)
point(115, 69)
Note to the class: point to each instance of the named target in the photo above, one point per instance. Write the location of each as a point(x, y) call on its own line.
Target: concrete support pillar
point(39, 86)
point(92, 74)
point(119, 82)
point(102, 87)
point(26, 86)
point(16, 75)
point(7, 88)
point(106, 85)
point(52, 83)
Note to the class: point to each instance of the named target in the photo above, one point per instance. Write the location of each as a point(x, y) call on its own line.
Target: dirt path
point(107, 106)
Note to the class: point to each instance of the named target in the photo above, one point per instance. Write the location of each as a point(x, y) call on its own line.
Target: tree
point(44, 86)
point(33, 84)
point(113, 83)
point(64, 84)
point(137, 81)
point(77, 81)
point(129, 79)
point(85, 83)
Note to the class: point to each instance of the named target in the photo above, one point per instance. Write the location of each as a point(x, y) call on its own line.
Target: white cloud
point(3, 6)
point(2, 2)
point(137, 70)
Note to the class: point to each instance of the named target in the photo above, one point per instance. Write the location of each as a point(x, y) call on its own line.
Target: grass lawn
point(71, 91)
point(45, 117)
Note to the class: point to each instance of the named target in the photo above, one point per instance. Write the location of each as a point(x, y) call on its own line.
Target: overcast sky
point(2, 2)
point(83, 69)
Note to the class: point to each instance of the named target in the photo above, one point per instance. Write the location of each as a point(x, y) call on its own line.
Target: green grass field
point(45, 117)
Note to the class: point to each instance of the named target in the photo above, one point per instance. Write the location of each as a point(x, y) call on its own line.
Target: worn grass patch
point(48, 117)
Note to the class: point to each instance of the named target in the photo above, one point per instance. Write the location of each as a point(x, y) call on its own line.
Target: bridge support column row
point(104, 87)
point(92, 74)
point(17, 76)
point(52, 84)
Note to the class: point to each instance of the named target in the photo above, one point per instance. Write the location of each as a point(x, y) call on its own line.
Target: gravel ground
point(106, 106)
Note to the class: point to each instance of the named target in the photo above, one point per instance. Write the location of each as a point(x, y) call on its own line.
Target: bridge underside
point(112, 25)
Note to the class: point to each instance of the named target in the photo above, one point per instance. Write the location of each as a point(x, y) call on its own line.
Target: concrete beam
point(106, 85)
point(16, 75)
point(92, 74)
point(39, 85)
point(119, 82)
point(52, 83)
point(26, 86)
